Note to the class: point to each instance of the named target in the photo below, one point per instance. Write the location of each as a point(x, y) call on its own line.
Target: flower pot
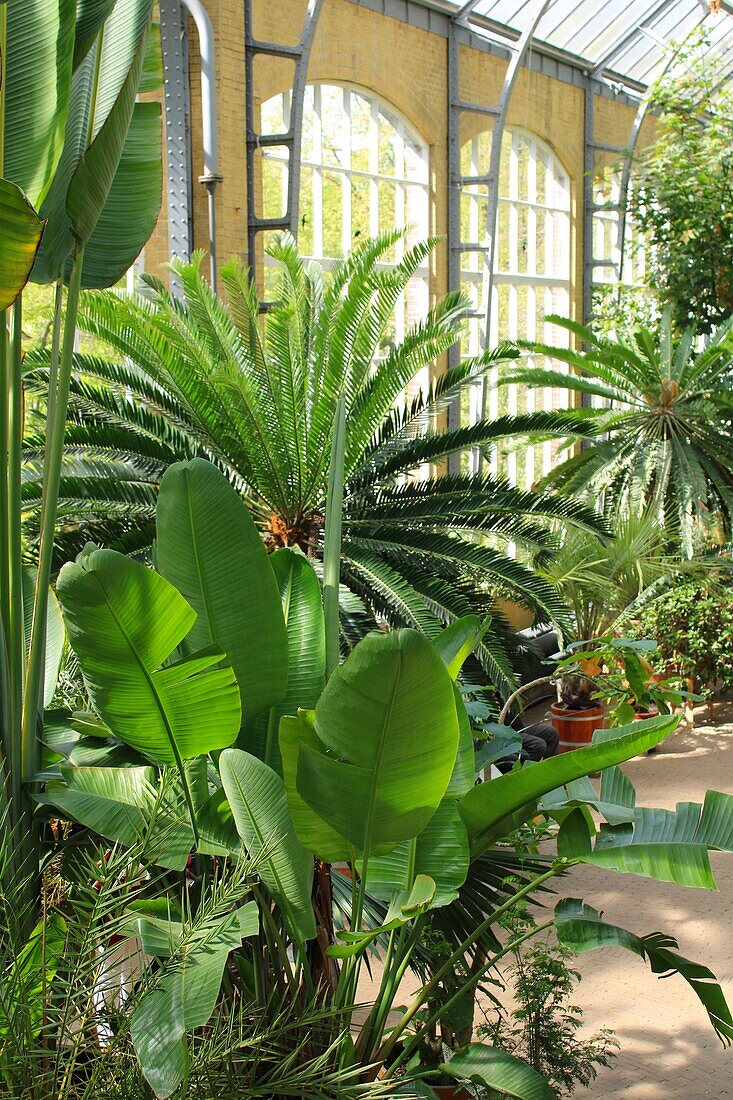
point(451, 1092)
point(576, 727)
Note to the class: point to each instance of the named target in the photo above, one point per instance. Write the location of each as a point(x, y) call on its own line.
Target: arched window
point(531, 273)
point(364, 170)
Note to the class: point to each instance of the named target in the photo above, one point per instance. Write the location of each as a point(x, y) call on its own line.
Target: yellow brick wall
point(407, 67)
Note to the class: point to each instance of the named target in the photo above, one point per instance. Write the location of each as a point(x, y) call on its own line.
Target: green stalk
point(332, 545)
point(4, 441)
point(52, 474)
point(458, 953)
point(16, 641)
point(472, 980)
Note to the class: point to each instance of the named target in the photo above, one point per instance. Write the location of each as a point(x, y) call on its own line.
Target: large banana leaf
point(492, 809)
point(388, 733)
point(458, 641)
point(441, 850)
point(669, 845)
point(184, 996)
point(90, 15)
point(312, 831)
point(209, 548)
point(121, 804)
point(123, 622)
point(123, 225)
point(581, 927)
point(107, 86)
point(302, 604)
point(616, 800)
point(20, 232)
point(55, 636)
point(259, 804)
point(36, 74)
point(497, 1069)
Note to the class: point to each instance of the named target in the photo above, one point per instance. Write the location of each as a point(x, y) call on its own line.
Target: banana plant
point(375, 772)
point(80, 189)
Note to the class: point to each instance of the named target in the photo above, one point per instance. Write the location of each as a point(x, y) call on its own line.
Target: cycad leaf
point(498, 1070)
point(387, 715)
point(123, 622)
point(20, 230)
point(209, 548)
point(259, 804)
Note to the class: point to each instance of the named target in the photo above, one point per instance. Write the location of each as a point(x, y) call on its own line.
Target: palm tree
point(193, 376)
point(662, 413)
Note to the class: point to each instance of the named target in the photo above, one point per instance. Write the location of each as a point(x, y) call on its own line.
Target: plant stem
point(4, 443)
point(52, 473)
point(458, 953)
point(332, 543)
point(15, 626)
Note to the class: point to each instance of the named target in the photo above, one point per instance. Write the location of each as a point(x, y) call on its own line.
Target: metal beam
point(177, 129)
point(292, 138)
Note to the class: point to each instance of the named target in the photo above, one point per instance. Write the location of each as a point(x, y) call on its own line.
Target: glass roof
point(623, 38)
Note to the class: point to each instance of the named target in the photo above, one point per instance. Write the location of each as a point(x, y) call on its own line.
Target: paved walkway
point(668, 1049)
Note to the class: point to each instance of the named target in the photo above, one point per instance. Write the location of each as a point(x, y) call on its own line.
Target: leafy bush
point(543, 1028)
point(694, 628)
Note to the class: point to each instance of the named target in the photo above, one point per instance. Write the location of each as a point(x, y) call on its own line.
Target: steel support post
point(178, 168)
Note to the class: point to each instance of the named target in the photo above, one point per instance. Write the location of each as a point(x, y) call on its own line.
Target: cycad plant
point(660, 440)
point(193, 376)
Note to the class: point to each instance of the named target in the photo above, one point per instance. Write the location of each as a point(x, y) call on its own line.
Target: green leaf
point(28, 979)
point(121, 804)
point(37, 78)
point(302, 605)
point(388, 733)
point(209, 548)
point(312, 831)
point(458, 641)
point(20, 230)
point(497, 1069)
point(131, 209)
point(489, 809)
point(94, 174)
point(259, 804)
point(581, 927)
point(55, 634)
point(183, 999)
point(123, 622)
point(90, 15)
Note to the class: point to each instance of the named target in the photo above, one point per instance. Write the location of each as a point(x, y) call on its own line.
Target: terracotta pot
point(451, 1092)
point(576, 727)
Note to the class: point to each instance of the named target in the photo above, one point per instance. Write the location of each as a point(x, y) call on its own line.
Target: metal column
point(177, 127)
point(291, 138)
point(456, 181)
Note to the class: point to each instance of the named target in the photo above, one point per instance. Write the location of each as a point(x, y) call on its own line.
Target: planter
point(451, 1092)
point(576, 727)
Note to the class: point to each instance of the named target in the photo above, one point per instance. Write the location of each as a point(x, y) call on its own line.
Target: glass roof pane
point(628, 35)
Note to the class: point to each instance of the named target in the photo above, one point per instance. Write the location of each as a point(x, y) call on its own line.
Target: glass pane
point(361, 121)
point(359, 208)
point(332, 214)
point(331, 124)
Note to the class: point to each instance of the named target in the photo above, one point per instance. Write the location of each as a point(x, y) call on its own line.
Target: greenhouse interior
point(366, 567)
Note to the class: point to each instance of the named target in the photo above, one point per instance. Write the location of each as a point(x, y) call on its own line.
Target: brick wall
point(406, 66)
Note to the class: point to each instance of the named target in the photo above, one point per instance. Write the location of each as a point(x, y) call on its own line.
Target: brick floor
point(668, 1049)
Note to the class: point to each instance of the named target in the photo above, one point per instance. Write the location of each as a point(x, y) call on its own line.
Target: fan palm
point(659, 439)
point(194, 376)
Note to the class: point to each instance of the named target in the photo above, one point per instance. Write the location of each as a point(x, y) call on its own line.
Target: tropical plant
point(273, 768)
point(657, 444)
point(197, 377)
point(694, 628)
point(80, 168)
point(543, 1027)
point(608, 581)
point(682, 194)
